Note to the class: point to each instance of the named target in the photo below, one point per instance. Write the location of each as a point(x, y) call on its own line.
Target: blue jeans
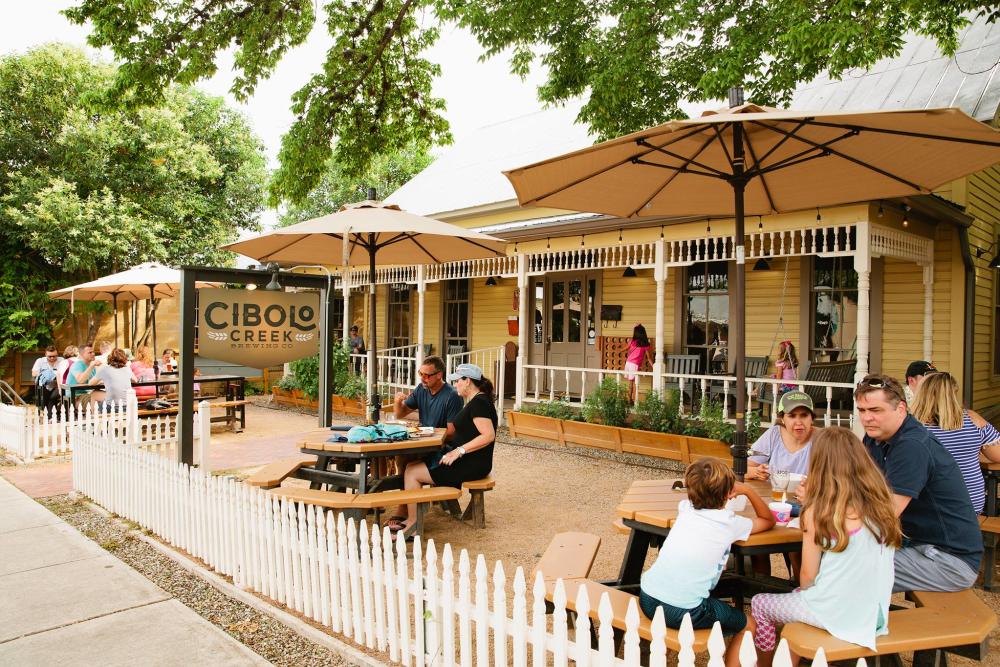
point(703, 616)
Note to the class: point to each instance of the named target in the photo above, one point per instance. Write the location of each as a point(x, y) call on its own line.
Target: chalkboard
point(611, 313)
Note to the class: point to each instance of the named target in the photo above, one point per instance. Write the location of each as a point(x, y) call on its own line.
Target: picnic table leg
point(241, 396)
point(363, 475)
point(322, 463)
point(635, 558)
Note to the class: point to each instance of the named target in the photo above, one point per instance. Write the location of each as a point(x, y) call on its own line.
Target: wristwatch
point(460, 450)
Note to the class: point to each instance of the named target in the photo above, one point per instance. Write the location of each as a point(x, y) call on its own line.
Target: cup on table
point(781, 511)
point(779, 484)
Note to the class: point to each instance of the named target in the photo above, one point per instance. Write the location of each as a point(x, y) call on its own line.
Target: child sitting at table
point(850, 533)
point(696, 550)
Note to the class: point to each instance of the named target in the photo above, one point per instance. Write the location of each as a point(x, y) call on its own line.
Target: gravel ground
point(261, 633)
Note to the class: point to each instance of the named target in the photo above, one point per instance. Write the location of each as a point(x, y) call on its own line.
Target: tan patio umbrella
point(752, 160)
point(145, 281)
point(373, 232)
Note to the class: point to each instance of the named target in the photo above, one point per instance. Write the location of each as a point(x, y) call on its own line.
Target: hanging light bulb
point(582, 237)
point(819, 218)
point(906, 216)
point(881, 211)
point(619, 236)
point(708, 229)
point(661, 231)
point(515, 247)
point(548, 244)
point(760, 223)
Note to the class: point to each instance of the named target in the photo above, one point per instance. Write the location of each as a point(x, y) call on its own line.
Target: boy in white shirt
point(695, 552)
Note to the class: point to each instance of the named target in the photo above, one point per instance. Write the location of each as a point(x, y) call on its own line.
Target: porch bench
point(954, 622)
point(273, 474)
point(568, 556)
point(357, 505)
point(620, 601)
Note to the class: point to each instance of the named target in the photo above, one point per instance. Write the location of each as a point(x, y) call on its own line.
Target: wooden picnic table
point(363, 454)
point(649, 509)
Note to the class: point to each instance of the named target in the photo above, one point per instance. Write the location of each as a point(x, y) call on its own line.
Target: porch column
point(928, 309)
point(345, 284)
point(863, 266)
point(421, 292)
point(660, 275)
point(522, 328)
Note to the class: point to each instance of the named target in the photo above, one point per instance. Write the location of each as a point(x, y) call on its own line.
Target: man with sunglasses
point(51, 361)
point(943, 545)
point(437, 401)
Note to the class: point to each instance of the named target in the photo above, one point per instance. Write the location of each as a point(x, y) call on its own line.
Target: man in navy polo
point(943, 546)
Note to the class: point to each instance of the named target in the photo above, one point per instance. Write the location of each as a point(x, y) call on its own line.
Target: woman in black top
point(469, 453)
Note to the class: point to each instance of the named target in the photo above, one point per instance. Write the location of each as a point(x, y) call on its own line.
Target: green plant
point(608, 404)
point(558, 409)
point(660, 413)
point(253, 389)
point(353, 386)
point(287, 383)
point(307, 375)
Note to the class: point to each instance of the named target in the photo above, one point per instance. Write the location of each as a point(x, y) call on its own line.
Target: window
point(338, 317)
point(539, 309)
point(456, 316)
point(399, 315)
point(706, 315)
point(833, 309)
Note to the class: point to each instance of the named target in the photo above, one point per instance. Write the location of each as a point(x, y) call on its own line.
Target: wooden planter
point(348, 406)
point(294, 397)
point(630, 440)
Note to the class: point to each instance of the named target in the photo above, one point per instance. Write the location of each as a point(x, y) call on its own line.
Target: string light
point(906, 219)
point(515, 247)
point(819, 218)
point(548, 245)
point(760, 223)
point(619, 236)
point(881, 211)
point(582, 237)
point(661, 232)
point(708, 229)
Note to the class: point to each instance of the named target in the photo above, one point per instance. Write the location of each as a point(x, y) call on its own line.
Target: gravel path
point(261, 633)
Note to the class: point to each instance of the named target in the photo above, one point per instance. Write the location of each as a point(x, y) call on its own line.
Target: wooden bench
point(475, 511)
point(954, 622)
point(357, 505)
point(620, 527)
point(620, 601)
point(273, 474)
point(990, 526)
point(568, 556)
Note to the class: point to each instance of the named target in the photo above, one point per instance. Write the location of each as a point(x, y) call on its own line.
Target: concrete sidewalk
point(64, 600)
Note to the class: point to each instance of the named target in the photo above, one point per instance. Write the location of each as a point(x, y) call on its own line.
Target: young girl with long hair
point(786, 366)
point(636, 354)
point(850, 533)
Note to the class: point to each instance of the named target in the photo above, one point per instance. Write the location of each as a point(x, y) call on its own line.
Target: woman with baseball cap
point(469, 453)
point(785, 446)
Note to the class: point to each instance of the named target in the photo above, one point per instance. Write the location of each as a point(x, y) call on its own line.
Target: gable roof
point(468, 175)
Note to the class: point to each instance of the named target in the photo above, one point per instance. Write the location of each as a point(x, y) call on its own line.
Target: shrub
point(287, 383)
point(559, 409)
point(306, 373)
point(608, 404)
point(353, 386)
point(658, 413)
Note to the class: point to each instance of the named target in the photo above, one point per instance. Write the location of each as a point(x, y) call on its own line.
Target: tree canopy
point(635, 62)
point(87, 190)
point(386, 173)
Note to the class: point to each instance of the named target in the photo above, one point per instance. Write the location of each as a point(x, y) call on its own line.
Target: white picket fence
point(359, 583)
point(29, 433)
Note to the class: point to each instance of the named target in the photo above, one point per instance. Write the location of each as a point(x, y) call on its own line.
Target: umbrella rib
point(479, 245)
point(789, 163)
point(682, 169)
point(849, 158)
point(763, 181)
point(288, 245)
point(685, 160)
point(796, 158)
point(600, 171)
point(722, 142)
point(669, 180)
point(780, 143)
point(426, 251)
point(903, 133)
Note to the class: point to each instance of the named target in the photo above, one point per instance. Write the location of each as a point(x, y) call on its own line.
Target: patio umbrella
point(145, 281)
point(753, 160)
point(373, 232)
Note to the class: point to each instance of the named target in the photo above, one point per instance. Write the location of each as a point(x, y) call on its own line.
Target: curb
point(349, 653)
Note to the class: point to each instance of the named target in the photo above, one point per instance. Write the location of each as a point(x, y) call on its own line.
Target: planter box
point(348, 406)
point(295, 397)
point(630, 440)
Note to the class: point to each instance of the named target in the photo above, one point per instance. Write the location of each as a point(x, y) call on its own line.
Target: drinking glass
point(779, 484)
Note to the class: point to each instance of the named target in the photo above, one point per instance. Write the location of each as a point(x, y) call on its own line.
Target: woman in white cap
point(469, 453)
point(785, 446)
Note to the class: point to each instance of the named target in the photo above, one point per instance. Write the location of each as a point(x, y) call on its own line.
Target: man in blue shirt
point(943, 546)
point(437, 402)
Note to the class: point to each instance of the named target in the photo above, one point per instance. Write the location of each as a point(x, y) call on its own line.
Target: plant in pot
point(658, 412)
point(608, 404)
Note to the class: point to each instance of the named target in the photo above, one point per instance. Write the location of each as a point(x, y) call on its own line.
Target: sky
point(477, 94)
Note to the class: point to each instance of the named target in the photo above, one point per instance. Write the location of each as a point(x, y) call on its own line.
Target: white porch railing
point(361, 584)
point(573, 384)
point(491, 360)
point(29, 433)
point(395, 369)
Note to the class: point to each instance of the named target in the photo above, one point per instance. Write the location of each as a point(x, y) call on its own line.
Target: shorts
point(703, 616)
point(630, 370)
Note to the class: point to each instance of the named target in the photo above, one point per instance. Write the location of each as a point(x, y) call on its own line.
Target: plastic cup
point(782, 512)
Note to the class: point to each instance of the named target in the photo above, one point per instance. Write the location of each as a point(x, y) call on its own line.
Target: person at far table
point(695, 552)
point(469, 453)
point(167, 362)
point(117, 378)
point(83, 370)
point(943, 546)
point(142, 368)
point(962, 432)
point(785, 445)
point(51, 361)
point(70, 355)
point(915, 374)
point(849, 535)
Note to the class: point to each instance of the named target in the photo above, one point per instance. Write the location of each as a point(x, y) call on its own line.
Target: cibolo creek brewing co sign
point(257, 329)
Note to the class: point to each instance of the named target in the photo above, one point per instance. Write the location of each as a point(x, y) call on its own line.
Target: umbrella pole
point(372, 319)
point(114, 301)
point(152, 315)
point(738, 336)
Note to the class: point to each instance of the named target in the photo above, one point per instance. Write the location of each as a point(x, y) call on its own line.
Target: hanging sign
point(258, 329)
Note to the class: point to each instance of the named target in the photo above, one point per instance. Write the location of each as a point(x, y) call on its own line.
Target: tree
point(336, 188)
point(86, 190)
point(635, 61)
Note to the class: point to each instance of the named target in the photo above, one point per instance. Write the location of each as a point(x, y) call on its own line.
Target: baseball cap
point(918, 368)
point(795, 399)
point(470, 371)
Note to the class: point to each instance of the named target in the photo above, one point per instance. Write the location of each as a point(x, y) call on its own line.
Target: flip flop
point(395, 524)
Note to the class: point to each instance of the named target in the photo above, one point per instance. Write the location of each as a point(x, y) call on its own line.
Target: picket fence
point(30, 433)
point(358, 582)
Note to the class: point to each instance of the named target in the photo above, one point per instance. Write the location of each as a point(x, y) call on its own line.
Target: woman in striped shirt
point(962, 432)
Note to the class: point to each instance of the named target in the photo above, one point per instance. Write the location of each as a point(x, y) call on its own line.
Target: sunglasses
point(427, 375)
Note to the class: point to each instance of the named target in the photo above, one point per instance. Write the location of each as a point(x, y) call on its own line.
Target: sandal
point(395, 524)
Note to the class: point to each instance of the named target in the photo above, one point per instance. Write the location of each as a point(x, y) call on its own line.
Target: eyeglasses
point(427, 376)
point(53, 358)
